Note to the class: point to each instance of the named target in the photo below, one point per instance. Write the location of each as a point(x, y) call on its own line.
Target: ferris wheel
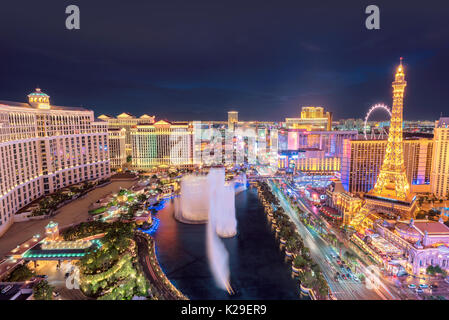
point(365, 125)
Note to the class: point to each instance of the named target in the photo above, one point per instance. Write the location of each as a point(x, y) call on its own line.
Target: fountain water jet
point(209, 199)
point(220, 220)
point(194, 204)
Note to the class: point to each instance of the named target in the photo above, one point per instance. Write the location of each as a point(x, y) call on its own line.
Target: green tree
point(321, 283)
point(430, 270)
point(142, 197)
point(305, 252)
point(300, 262)
point(438, 269)
point(21, 273)
point(43, 291)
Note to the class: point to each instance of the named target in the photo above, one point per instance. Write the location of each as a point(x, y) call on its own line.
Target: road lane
point(320, 252)
point(384, 288)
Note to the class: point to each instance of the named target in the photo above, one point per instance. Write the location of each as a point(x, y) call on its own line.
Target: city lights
point(224, 155)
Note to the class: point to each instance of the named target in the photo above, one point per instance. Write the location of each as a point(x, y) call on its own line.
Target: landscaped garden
point(43, 291)
point(50, 203)
point(19, 274)
point(112, 271)
point(124, 205)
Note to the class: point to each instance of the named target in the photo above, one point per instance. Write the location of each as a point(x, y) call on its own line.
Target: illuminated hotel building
point(440, 166)
point(117, 151)
point(162, 143)
point(127, 121)
point(309, 161)
point(422, 243)
point(362, 160)
point(44, 148)
point(312, 119)
point(233, 118)
point(318, 151)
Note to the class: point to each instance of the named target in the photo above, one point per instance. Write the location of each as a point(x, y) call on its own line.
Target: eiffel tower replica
point(391, 194)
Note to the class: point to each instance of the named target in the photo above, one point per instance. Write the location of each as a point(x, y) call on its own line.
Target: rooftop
point(443, 122)
point(432, 227)
point(5, 103)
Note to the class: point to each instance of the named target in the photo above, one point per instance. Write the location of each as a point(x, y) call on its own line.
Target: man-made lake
point(258, 270)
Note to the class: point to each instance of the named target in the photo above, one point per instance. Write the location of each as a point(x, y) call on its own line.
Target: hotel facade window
point(362, 159)
point(440, 163)
point(163, 143)
point(127, 121)
point(44, 148)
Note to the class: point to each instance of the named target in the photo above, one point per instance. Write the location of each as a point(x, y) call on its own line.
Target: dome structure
point(39, 99)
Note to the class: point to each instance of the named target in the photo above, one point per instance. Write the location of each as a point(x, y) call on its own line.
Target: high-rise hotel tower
point(44, 148)
point(440, 165)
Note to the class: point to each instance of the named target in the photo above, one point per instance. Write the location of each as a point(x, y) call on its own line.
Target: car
point(412, 286)
point(67, 275)
point(356, 278)
point(423, 286)
point(434, 286)
point(56, 294)
point(6, 289)
point(419, 290)
point(43, 276)
point(338, 262)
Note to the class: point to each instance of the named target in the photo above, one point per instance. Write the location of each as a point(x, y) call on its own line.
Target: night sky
point(195, 60)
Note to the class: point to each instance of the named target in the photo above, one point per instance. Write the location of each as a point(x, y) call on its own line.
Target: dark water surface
point(258, 270)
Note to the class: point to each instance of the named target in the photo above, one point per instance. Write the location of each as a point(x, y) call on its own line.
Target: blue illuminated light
point(153, 228)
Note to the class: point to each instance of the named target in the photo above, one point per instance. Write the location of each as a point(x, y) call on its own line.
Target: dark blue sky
point(194, 60)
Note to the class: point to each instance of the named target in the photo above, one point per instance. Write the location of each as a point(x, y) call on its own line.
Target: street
point(387, 286)
point(321, 252)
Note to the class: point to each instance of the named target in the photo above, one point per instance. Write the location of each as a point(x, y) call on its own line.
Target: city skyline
point(180, 70)
point(224, 151)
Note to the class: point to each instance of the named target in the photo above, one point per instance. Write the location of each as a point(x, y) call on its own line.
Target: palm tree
point(305, 252)
point(299, 262)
